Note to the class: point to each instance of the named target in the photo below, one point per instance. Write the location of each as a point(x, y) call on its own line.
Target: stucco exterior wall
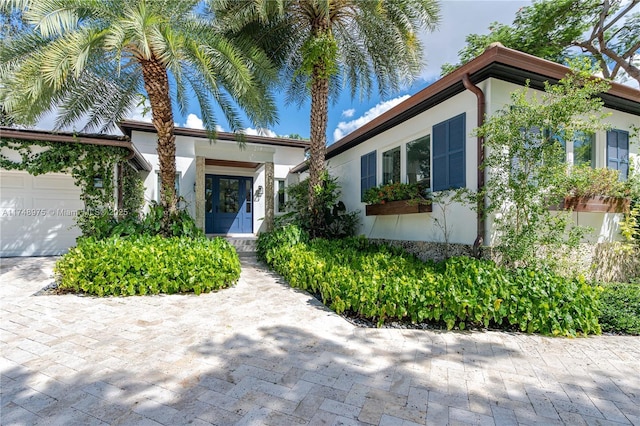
point(604, 225)
point(187, 148)
point(461, 219)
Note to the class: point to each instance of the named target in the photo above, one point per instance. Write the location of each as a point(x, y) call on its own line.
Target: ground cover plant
point(620, 308)
point(144, 264)
point(383, 284)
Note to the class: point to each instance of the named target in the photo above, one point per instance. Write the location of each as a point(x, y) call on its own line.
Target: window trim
point(176, 184)
point(370, 178)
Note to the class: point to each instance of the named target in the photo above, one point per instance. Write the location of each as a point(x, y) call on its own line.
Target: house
point(229, 187)
point(38, 212)
point(429, 138)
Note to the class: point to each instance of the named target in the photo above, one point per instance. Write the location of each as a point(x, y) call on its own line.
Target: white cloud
point(260, 132)
point(346, 127)
point(139, 114)
point(348, 113)
point(193, 122)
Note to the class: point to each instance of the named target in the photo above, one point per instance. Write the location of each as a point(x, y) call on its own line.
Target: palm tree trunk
point(156, 83)
point(319, 111)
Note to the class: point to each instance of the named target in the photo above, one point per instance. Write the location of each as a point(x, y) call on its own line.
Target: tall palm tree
point(91, 59)
point(328, 43)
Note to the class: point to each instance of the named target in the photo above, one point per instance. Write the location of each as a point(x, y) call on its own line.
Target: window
point(177, 185)
point(367, 172)
point(449, 154)
point(583, 145)
point(280, 201)
point(618, 152)
point(391, 166)
point(419, 161)
point(584, 149)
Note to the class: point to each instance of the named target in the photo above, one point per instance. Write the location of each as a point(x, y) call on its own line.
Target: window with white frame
point(581, 146)
point(177, 186)
point(419, 161)
point(391, 166)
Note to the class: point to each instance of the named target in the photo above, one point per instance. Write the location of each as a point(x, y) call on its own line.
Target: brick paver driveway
point(263, 353)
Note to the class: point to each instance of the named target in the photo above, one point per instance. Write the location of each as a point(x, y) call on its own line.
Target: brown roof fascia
point(494, 54)
point(127, 126)
point(451, 84)
point(91, 139)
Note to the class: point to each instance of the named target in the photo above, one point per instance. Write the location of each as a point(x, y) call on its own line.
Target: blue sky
point(458, 18)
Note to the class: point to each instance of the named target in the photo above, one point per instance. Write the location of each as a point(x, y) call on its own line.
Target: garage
point(37, 213)
point(38, 210)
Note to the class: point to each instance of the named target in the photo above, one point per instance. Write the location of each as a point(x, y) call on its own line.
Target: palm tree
point(91, 60)
point(328, 43)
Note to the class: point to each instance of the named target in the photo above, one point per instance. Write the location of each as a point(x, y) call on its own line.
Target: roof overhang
point(128, 126)
point(135, 157)
point(496, 62)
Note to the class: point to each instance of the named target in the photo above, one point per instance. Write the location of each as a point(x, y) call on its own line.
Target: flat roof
point(87, 138)
point(128, 126)
point(496, 62)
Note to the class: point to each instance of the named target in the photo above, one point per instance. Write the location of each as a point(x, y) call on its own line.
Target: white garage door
point(37, 213)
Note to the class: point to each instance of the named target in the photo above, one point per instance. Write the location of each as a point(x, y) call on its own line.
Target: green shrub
point(397, 192)
point(620, 308)
point(381, 283)
point(335, 221)
point(105, 224)
point(147, 265)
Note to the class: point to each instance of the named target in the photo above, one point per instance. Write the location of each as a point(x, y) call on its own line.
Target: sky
point(458, 19)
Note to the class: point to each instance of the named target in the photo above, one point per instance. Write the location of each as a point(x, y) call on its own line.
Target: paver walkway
point(263, 353)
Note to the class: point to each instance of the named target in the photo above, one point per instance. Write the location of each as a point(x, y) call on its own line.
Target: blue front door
point(228, 204)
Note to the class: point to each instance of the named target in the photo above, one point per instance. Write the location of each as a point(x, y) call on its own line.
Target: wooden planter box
point(397, 207)
point(594, 204)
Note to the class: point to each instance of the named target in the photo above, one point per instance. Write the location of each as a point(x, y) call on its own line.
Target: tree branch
point(620, 15)
point(588, 47)
point(633, 71)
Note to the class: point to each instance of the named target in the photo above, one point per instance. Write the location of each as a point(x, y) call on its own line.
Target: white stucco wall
point(187, 148)
point(604, 225)
point(461, 220)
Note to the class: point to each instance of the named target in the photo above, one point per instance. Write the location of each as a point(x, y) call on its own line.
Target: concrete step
point(244, 245)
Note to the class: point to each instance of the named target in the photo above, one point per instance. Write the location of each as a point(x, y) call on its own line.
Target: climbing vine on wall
point(132, 191)
point(84, 162)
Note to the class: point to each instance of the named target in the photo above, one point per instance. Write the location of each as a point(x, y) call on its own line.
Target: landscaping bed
point(143, 264)
point(380, 284)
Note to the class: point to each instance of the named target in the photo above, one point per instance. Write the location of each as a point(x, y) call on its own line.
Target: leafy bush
point(105, 224)
point(620, 308)
point(147, 265)
point(381, 283)
point(585, 181)
point(396, 192)
point(336, 223)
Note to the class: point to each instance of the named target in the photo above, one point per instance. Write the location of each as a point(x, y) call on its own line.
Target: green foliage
point(147, 265)
point(285, 236)
point(585, 181)
point(620, 308)
point(132, 191)
point(396, 192)
point(106, 225)
point(83, 161)
point(337, 222)
point(528, 172)
point(382, 284)
point(320, 55)
point(606, 32)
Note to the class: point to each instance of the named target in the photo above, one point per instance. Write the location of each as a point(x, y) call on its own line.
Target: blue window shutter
point(449, 143)
point(367, 172)
point(618, 152)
